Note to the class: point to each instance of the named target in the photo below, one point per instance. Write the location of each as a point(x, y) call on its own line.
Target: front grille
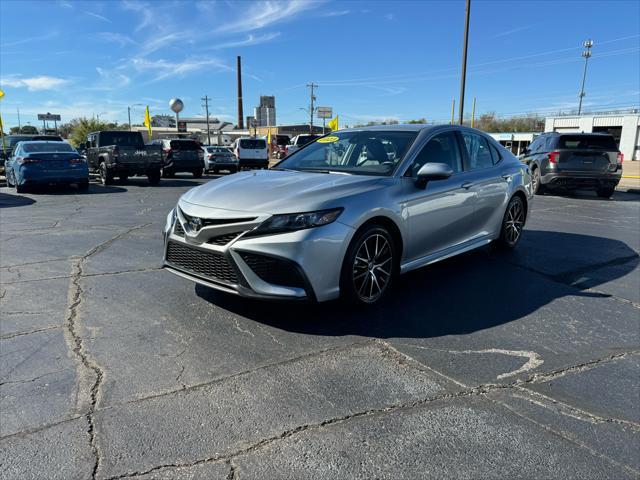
point(208, 264)
point(178, 230)
point(208, 222)
point(223, 239)
point(274, 270)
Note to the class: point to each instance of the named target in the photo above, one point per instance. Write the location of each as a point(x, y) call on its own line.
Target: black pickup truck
point(122, 154)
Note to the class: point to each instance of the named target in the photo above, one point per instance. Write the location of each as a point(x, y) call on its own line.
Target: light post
point(463, 77)
point(129, 107)
point(587, 44)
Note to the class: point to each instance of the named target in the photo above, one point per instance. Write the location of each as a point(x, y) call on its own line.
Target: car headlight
point(296, 221)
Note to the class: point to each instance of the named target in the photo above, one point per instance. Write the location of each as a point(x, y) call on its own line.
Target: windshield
point(359, 152)
point(183, 145)
point(595, 142)
point(253, 144)
point(46, 147)
point(121, 139)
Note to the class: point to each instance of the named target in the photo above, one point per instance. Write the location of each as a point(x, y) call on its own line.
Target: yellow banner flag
point(333, 124)
point(1, 94)
point(147, 121)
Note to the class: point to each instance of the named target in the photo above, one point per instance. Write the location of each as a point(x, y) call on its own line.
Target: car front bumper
point(300, 265)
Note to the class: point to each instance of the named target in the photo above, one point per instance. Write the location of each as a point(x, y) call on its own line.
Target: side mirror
point(433, 171)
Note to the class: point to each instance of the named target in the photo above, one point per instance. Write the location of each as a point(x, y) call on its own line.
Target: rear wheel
point(369, 267)
point(124, 178)
point(197, 173)
point(106, 177)
point(20, 188)
point(536, 184)
point(154, 177)
point(605, 192)
point(83, 186)
point(168, 173)
point(512, 223)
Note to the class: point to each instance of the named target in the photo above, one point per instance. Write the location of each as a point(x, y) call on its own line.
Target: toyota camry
point(349, 212)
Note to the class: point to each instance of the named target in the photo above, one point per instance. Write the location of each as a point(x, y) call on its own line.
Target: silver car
point(347, 213)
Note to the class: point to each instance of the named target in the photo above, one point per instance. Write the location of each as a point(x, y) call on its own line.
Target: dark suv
point(570, 161)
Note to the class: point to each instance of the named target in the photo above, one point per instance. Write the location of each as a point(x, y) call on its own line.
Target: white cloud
point(265, 13)
point(34, 84)
point(118, 38)
point(335, 13)
point(161, 69)
point(22, 41)
point(112, 79)
point(389, 16)
point(248, 41)
point(97, 15)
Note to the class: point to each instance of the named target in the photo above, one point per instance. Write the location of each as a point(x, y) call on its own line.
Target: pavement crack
point(232, 470)
point(240, 329)
point(14, 382)
point(75, 339)
point(30, 332)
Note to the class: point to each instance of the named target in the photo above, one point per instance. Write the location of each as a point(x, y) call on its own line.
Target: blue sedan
point(45, 163)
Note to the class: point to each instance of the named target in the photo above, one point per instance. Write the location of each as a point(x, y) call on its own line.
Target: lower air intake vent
point(274, 270)
point(205, 264)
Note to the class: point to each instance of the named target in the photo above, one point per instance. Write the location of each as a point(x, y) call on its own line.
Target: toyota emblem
point(195, 223)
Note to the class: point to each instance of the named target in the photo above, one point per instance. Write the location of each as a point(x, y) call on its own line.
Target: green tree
point(419, 121)
point(79, 128)
point(25, 130)
point(490, 122)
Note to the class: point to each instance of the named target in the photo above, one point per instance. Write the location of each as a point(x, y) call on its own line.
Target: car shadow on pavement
point(461, 295)
point(618, 196)
point(8, 200)
point(94, 189)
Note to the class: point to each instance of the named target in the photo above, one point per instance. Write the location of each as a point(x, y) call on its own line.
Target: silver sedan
point(349, 212)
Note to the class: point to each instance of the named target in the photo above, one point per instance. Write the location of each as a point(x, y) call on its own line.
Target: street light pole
point(129, 116)
point(464, 62)
point(587, 44)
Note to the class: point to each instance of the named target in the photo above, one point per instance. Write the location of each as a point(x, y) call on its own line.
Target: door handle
point(467, 185)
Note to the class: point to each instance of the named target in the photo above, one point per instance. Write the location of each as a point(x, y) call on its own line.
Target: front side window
point(477, 150)
point(357, 152)
point(443, 148)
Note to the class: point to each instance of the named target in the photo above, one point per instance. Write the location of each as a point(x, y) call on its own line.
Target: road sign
point(49, 116)
point(325, 112)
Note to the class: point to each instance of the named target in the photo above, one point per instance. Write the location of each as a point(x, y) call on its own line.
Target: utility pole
point(129, 116)
point(206, 99)
point(587, 44)
point(311, 100)
point(453, 111)
point(464, 63)
point(473, 113)
point(19, 126)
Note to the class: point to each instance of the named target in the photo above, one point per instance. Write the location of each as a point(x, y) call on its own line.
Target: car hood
point(275, 191)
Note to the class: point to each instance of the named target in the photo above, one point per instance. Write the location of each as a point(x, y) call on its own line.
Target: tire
point(106, 177)
point(215, 171)
point(7, 176)
point(124, 178)
point(512, 223)
point(83, 186)
point(20, 188)
point(605, 192)
point(197, 173)
point(167, 173)
point(154, 177)
point(368, 266)
point(536, 184)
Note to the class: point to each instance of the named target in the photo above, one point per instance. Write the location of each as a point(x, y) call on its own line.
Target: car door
point(487, 181)
point(92, 151)
point(438, 215)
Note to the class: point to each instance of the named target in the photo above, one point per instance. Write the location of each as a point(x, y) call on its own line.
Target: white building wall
point(585, 124)
point(629, 137)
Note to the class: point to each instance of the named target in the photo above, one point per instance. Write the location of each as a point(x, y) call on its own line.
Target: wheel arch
point(392, 228)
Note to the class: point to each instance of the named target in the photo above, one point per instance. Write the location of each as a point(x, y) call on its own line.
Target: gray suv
point(571, 161)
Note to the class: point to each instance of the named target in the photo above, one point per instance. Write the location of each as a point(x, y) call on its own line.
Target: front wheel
point(197, 173)
point(512, 223)
point(369, 267)
point(20, 188)
point(605, 192)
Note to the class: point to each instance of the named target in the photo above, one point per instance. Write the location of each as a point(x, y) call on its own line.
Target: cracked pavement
point(503, 365)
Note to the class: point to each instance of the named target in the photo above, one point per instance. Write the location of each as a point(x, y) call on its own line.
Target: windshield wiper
point(322, 170)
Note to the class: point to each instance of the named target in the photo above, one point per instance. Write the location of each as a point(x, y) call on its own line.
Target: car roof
point(29, 142)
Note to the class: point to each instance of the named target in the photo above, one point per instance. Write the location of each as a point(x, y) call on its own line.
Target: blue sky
point(373, 60)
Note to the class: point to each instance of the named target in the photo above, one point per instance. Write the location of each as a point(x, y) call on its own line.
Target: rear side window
point(588, 142)
point(253, 144)
point(183, 145)
point(121, 139)
point(495, 153)
point(478, 151)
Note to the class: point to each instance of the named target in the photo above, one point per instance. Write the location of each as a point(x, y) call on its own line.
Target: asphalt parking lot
point(489, 365)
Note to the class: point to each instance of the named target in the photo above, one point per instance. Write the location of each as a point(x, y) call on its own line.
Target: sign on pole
point(49, 116)
point(324, 112)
